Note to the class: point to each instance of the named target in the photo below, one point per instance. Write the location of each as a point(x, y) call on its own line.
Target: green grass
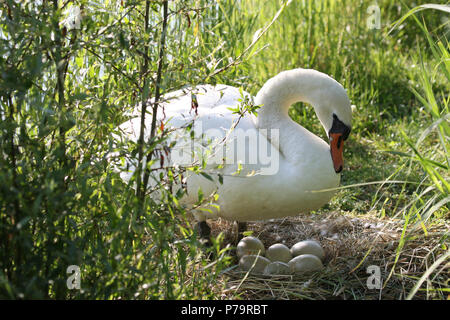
point(63, 93)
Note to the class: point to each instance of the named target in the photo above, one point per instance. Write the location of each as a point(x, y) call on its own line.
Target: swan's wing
point(211, 123)
point(206, 96)
point(230, 154)
point(176, 110)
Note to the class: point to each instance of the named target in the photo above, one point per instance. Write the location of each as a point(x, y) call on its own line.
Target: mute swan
point(300, 162)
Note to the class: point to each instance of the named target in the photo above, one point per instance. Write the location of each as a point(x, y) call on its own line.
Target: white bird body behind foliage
point(304, 161)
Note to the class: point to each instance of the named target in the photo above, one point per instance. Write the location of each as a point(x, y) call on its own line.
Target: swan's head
point(335, 113)
point(326, 95)
point(338, 134)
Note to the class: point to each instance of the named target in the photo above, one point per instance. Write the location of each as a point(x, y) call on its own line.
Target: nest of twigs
point(351, 244)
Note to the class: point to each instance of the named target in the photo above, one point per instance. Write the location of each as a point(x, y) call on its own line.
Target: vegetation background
point(67, 81)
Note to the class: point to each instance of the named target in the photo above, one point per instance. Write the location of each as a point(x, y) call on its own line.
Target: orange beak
point(337, 149)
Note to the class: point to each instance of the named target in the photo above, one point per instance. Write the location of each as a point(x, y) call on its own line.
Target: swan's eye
point(339, 127)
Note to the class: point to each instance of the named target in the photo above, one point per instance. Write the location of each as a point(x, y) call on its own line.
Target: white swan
point(301, 161)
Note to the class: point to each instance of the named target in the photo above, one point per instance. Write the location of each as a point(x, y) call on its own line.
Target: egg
point(253, 263)
point(308, 247)
point(277, 267)
point(250, 246)
point(279, 252)
point(305, 263)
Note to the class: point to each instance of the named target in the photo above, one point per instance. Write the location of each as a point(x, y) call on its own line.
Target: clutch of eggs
point(304, 256)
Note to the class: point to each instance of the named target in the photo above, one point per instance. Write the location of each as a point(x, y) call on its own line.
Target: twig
point(140, 191)
point(157, 91)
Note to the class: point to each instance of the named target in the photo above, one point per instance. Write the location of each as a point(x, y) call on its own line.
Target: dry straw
point(351, 245)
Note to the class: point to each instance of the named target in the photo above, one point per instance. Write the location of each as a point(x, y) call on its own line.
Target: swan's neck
point(288, 87)
point(278, 94)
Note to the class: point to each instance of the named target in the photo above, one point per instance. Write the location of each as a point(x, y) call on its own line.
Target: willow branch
point(157, 91)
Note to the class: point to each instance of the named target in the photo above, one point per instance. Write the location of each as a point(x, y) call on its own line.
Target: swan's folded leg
point(240, 228)
point(204, 232)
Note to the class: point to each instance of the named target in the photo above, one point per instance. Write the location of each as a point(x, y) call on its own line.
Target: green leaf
point(207, 176)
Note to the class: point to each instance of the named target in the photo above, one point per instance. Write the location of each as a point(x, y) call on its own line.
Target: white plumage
point(301, 161)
